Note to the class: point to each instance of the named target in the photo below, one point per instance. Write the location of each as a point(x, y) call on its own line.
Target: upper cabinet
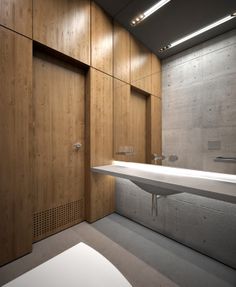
point(63, 25)
point(141, 66)
point(101, 40)
point(156, 76)
point(17, 15)
point(121, 53)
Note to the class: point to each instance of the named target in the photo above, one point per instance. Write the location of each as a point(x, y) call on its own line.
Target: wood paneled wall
point(17, 16)
point(101, 40)
point(121, 53)
point(141, 71)
point(156, 76)
point(130, 121)
point(154, 130)
point(99, 188)
point(141, 65)
point(137, 130)
point(15, 145)
point(122, 92)
point(82, 31)
point(137, 124)
point(63, 25)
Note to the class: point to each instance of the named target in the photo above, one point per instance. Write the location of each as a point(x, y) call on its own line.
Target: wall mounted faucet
point(171, 157)
point(125, 150)
point(157, 157)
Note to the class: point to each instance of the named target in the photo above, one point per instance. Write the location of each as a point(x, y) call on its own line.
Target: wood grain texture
point(122, 125)
point(59, 91)
point(129, 123)
point(154, 128)
point(17, 15)
point(15, 165)
point(138, 125)
point(121, 53)
point(156, 76)
point(63, 25)
point(101, 122)
point(99, 110)
point(141, 66)
point(101, 40)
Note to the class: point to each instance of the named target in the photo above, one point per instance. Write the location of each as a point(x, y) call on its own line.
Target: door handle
point(77, 146)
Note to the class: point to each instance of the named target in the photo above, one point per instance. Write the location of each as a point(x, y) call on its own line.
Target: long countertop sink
point(154, 190)
point(163, 180)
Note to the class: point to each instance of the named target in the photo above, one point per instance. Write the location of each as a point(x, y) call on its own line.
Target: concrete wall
point(199, 105)
point(206, 225)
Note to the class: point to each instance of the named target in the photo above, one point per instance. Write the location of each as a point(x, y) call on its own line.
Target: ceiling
point(173, 21)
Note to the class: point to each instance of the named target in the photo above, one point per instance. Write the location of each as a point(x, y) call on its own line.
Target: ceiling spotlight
point(148, 12)
point(198, 32)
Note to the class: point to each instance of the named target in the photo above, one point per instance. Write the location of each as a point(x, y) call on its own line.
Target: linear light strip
point(156, 7)
point(198, 32)
point(149, 12)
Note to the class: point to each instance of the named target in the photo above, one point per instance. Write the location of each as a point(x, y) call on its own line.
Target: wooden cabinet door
point(101, 40)
point(121, 53)
point(58, 99)
point(63, 25)
point(141, 66)
point(17, 15)
point(15, 169)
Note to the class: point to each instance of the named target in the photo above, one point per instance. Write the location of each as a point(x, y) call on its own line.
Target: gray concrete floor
point(145, 257)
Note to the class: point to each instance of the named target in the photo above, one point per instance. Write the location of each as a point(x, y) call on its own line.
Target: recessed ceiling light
point(148, 12)
point(198, 32)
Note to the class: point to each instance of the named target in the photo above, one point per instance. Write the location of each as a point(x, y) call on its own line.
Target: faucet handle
point(158, 157)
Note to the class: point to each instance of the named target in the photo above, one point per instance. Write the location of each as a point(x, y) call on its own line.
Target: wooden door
point(15, 171)
point(58, 99)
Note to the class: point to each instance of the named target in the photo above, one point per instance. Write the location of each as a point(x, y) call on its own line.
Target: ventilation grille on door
point(58, 218)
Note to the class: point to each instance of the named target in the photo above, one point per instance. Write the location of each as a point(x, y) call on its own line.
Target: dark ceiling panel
point(113, 7)
point(173, 21)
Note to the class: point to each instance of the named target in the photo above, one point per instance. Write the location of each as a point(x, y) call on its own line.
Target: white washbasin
point(163, 180)
point(154, 189)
